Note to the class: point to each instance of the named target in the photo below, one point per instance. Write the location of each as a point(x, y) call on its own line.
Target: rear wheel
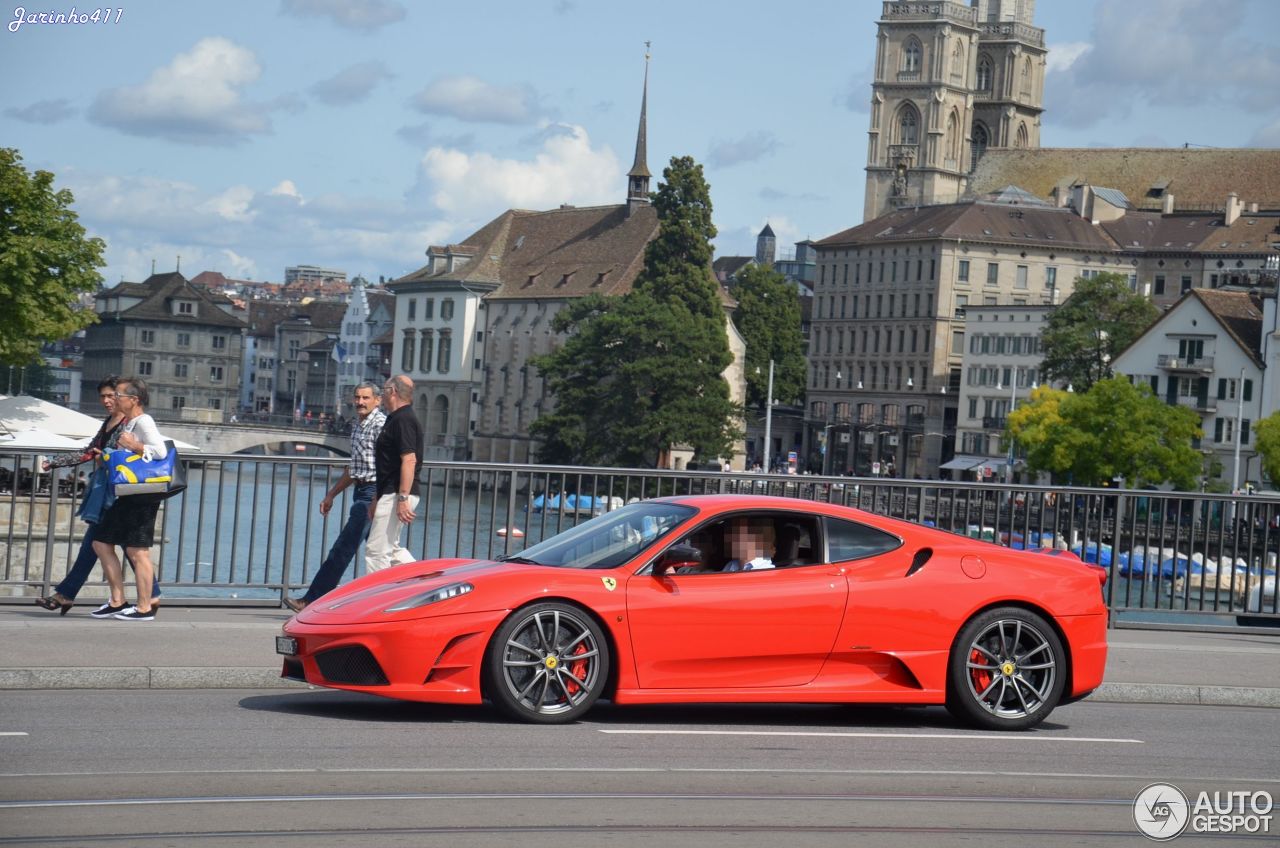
point(548, 663)
point(1007, 670)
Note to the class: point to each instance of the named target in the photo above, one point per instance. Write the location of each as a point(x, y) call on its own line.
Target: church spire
point(638, 176)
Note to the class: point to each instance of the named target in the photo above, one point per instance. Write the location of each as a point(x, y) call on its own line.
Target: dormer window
point(184, 307)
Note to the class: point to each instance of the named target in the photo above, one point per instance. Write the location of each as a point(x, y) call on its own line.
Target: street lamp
point(768, 419)
point(1013, 402)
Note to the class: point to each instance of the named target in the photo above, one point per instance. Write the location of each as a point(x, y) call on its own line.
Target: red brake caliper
point(980, 677)
point(577, 670)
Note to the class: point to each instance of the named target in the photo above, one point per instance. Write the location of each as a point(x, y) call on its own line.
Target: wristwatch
point(402, 498)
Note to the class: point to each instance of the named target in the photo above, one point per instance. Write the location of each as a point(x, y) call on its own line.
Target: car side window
point(848, 540)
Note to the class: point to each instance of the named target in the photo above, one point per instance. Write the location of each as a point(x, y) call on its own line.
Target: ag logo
point(1161, 811)
point(609, 583)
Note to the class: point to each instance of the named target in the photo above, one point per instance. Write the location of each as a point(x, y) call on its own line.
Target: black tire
point(1007, 670)
point(547, 663)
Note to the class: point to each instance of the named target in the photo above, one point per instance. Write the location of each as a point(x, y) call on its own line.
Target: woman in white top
point(130, 523)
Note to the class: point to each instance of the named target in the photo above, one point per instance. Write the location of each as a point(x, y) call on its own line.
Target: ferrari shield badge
point(609, 583)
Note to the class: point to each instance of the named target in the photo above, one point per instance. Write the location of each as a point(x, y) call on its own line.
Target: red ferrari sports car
point(720, 598)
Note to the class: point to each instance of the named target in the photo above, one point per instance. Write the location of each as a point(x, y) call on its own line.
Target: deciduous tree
point(768, 317)
point(642, 373)
point(1113, 430)
point(1083, 336)
point(1268, 441)
point(46, 262)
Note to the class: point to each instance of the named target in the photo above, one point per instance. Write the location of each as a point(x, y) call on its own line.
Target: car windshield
point(608, 540)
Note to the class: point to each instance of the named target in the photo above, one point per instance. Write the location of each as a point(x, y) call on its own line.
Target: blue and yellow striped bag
point(131, 475)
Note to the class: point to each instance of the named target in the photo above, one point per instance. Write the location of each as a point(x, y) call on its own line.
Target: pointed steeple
point(638, 176)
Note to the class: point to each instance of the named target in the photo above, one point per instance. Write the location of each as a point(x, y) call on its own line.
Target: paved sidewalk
point(234, 648)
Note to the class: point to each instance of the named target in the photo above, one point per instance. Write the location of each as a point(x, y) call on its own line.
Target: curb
point(173, 677)
point(169, 677)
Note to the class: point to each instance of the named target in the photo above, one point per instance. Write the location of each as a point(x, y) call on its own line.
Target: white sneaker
point(133, 614)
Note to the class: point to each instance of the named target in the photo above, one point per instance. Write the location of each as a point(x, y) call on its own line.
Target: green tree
point(1083, 336)
point(1267, 439)
point(46, 262)
point(642, 373)
point(1113, 430)
point(768, 317)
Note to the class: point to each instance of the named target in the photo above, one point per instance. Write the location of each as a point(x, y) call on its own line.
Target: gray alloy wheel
point(1007, 670)
point(548, 663)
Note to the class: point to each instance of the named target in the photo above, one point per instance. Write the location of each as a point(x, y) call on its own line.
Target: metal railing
point(248, 528)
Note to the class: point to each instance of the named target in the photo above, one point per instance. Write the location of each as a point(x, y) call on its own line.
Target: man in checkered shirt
point(364, 435)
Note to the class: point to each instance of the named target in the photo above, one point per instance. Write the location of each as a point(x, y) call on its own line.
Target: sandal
point(55, 602)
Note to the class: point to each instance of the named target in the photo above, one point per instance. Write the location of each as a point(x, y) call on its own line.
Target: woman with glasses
point(64, 594)
point(130, 523)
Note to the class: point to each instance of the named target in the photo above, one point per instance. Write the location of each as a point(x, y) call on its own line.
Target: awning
point(962, 462)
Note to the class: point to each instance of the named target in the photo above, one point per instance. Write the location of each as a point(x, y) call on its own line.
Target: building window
point(962, 273)
point(978, 146)
point(442, 358)
point(1186, 283)
point(144, 369)
point(962, 301)
point(148, 337)
point(215, 373)
point(180, 370)
point(1020, 280)
point(413, 309)
point(1159, 286)
point(184, 340)
point(406, 356)
point(186, 307)
point(425, 364)
point(1050, 277)
point(215, 403)
point(219, 342)
point(984, 73)
point(908, 125)
point(446, 309)
point(429, 308)
point(993, 273)
point(911, 56)
point(178, 402)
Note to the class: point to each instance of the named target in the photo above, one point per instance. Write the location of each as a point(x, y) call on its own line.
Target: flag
point(339, 353)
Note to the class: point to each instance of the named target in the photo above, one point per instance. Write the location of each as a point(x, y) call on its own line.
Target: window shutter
point(1244, 431)
point(1217, 429)
point(1222, 389)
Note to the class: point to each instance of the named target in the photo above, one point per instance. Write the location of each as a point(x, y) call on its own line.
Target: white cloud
point(567, 170)
point(364, 15)
point(1164, 53)
point(1062, 56)
point(751, 147)
point(469, 98)
point(195, 99)
point(247, 232)
point(351, 84)
point(43, 111)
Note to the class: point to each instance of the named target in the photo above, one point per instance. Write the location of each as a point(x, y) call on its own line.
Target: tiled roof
point(159, 290)
point(1156, 233)
point(266, 315)
point(994, 223)
point(562, 253)
point(1240, 313)
point(1198, 179)
point(1248, 234)
point(726, 266)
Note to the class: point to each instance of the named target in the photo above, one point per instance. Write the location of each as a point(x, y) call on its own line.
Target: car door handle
point(839, 570)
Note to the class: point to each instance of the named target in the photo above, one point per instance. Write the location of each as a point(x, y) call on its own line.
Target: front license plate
point(287, 645)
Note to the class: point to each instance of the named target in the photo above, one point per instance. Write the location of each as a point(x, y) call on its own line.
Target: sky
point(249, 136)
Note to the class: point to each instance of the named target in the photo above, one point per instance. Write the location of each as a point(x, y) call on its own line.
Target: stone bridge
point(234, 438)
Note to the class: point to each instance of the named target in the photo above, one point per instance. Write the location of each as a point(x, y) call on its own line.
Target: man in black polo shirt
point(397, 460)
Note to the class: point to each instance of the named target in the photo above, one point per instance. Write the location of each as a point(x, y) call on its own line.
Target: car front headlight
point(442, 593)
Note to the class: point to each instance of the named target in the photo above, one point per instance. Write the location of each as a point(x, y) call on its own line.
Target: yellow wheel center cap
point(550, 662)
point(1008, 669)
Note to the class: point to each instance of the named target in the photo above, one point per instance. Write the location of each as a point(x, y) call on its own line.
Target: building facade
point(950, 82)
point(185, 341)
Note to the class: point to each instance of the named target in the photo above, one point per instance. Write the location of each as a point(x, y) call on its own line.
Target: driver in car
point(748, 541)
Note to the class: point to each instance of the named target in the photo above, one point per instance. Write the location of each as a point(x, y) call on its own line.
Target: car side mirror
point(676, 556)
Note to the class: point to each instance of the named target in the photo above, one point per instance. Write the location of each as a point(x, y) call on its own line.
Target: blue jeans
point(85, 561)
point(345, 546)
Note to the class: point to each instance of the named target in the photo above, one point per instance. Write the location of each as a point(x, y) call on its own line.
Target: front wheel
point(1007, 670)
point(547, 663)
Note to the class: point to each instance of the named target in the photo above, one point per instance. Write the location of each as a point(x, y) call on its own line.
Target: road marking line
point(12, 733)
point(972, 737)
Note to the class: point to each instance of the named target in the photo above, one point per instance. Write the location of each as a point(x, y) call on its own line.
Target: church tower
point(950, 81)
point(638, 176)
point(766, 246)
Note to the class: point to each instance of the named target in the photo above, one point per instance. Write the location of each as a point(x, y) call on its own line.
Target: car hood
point(371, 595)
